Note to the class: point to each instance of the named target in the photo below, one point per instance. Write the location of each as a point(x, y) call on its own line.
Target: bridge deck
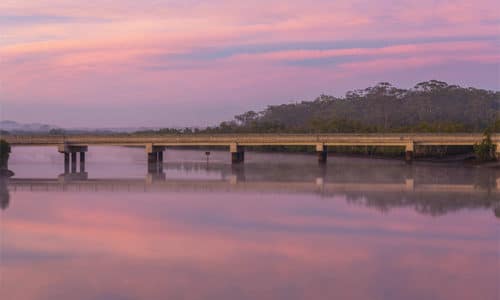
point(252, 139)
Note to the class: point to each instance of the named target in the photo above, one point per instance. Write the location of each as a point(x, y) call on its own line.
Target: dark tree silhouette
point(4, 154)
point(431, 106)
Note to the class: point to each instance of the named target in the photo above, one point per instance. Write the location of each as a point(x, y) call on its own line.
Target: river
point(278, 227)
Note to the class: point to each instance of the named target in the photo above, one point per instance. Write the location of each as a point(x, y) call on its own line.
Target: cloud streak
point(79, 53)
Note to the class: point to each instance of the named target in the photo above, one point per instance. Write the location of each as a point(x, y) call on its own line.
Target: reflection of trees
point(341, 170)
point(427, 203)
point(4, 194)
point(378, 172)
point(430, 189)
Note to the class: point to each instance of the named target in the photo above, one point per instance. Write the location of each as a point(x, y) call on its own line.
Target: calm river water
point(278, 227)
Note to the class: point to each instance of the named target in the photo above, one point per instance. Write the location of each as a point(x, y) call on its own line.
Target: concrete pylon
point(66, 162)
point(237, 153)
point(322, 151)
point(73, 162)
point(82, 162)
point(409, 149)
point(155, 158)
point(70, 154)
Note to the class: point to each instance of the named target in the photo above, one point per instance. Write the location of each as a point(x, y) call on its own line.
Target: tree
point(431, 106)
point(4, 154)
point(485, 150)
point(246, 118)
point(57, 131)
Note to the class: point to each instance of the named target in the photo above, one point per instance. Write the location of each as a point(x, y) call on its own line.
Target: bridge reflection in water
point(428, 190)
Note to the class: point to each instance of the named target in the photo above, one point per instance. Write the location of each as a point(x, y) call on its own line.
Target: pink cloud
point(85, 54)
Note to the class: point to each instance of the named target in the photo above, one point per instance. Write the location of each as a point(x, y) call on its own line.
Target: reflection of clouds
point(197, 247)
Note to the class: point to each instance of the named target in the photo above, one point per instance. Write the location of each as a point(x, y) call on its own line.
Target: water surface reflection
point(428, 189)
point(281, 230)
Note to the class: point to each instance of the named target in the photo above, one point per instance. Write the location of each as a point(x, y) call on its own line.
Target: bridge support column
point(66, 162)
point(322, 152)
point(237, 153)
point(70, 153)
point(82, 162)
point(73, 162)
point(410, 148)
point(152, 158)
point(155, 158)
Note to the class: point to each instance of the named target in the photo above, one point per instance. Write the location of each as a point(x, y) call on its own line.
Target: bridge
point(154, 145)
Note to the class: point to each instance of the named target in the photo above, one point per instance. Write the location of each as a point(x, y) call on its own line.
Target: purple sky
point(185, 62)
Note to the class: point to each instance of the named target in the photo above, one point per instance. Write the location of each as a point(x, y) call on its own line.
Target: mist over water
point(278, 227)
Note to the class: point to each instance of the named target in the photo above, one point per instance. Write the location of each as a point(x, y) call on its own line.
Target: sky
point(160, 63)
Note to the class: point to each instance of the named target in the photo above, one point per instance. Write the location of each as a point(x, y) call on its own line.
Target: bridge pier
point(82, 162)
point(409, 149)
point(155, 158)
point(73, 162)
point(237, 153)
point(66, 162)
point(322, 152)
point(70, 155)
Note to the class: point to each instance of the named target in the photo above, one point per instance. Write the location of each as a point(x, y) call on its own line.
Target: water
point(279, 227)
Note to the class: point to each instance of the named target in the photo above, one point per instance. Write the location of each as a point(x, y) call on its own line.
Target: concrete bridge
point(236, 143)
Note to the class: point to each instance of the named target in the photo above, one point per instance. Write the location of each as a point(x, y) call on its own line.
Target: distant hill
point(13, 127)
point(431, 106)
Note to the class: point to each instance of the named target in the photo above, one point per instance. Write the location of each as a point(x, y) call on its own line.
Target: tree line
point(431, 106)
